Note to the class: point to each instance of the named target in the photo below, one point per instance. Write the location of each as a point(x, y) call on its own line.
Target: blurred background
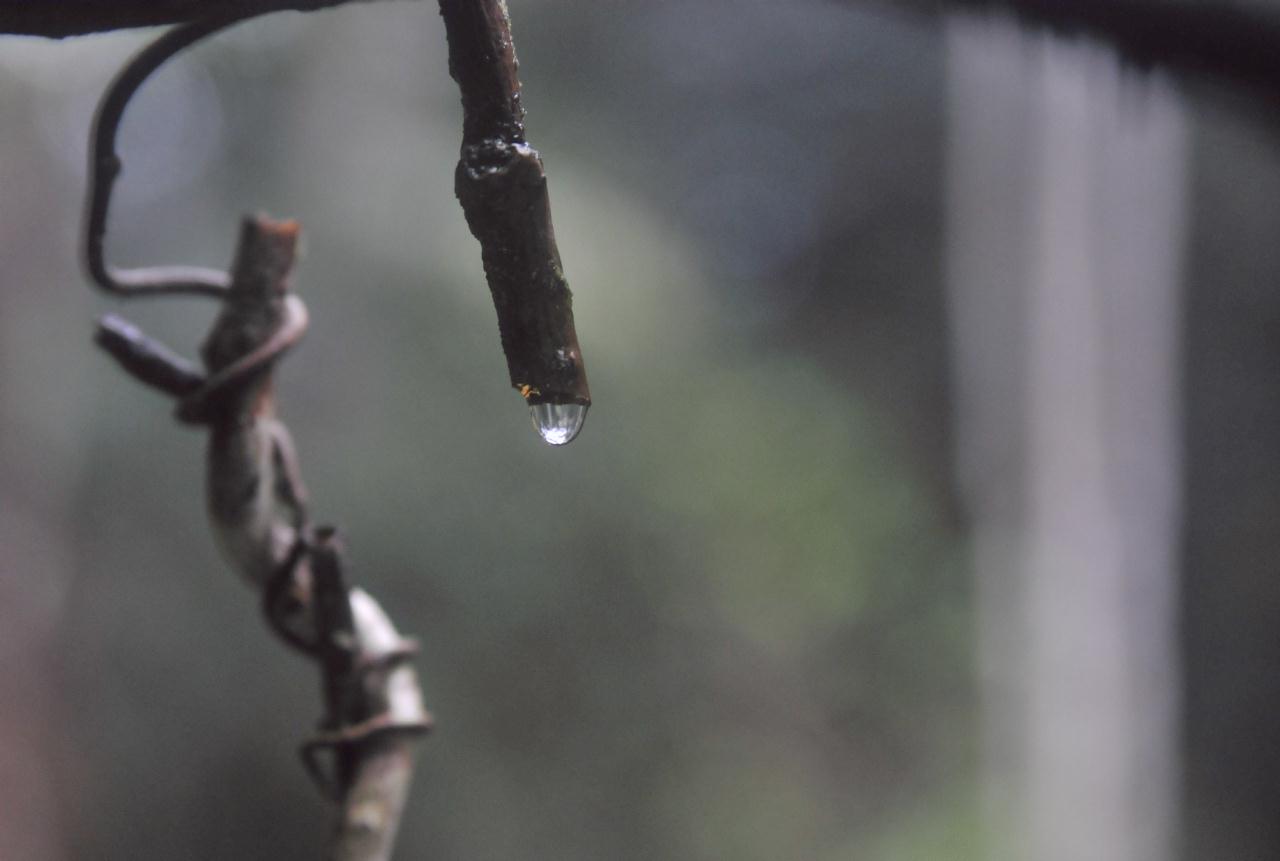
point(927, 509)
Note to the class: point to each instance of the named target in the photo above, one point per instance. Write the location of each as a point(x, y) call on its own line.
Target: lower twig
point(373, 701)
point(374, 710)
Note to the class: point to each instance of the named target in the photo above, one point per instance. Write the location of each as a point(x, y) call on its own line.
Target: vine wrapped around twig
point(257, 507)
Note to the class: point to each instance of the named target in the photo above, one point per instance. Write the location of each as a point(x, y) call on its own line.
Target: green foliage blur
point(729, 622)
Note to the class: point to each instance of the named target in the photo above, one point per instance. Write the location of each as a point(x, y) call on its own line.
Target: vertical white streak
point(988, 171)
point(1066, 368)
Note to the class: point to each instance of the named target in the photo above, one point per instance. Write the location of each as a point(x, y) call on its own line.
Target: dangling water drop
point(558, 424)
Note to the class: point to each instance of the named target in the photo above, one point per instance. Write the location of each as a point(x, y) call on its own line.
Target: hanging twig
point(257, 506)
point(503, 191)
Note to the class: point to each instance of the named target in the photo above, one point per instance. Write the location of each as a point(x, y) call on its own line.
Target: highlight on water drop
point(558, 424)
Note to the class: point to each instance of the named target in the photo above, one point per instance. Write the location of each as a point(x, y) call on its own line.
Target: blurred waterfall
point(1066, 215)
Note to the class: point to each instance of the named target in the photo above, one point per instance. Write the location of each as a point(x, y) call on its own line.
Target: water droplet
point(558, 424)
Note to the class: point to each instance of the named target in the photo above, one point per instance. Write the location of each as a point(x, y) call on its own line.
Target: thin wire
point(105, 166)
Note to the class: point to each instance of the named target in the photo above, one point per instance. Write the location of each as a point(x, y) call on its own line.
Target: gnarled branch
point(362, 755)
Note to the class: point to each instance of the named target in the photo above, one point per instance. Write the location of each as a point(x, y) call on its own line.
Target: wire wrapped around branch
point(259, 513)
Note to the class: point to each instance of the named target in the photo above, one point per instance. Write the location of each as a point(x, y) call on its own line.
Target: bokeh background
point(927, 510)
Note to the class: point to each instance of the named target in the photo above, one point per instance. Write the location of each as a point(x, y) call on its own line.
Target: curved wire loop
point(194, 407)
point(105, 167)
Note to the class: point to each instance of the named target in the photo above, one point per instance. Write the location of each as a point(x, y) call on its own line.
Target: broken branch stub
point(503, 191)
point(146, 359)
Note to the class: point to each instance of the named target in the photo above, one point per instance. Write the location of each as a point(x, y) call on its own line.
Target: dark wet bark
point(503, 191)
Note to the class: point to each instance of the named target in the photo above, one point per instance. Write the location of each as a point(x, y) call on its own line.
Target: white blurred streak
point(1066, 219)
point(45, 396)
point(34, 577)
point(42, 454)
point(60, 67)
